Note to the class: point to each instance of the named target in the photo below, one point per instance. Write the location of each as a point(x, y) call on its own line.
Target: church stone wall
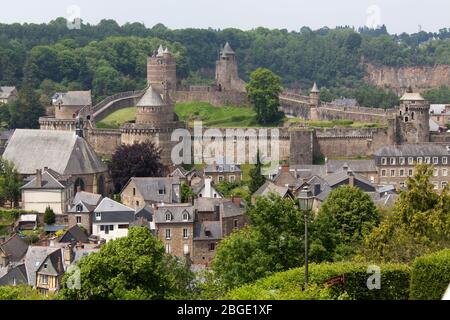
point(104, 142)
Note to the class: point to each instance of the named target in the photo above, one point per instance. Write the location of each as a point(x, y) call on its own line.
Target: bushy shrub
point(430, 276)
point(287, 285)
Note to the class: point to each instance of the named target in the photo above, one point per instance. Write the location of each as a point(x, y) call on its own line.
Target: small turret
point(314, 96)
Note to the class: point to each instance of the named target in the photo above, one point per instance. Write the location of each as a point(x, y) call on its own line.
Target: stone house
point(7, 94)
point(271, 188)
point(175, 228)
point(83, 206)
point(63, 151)
point(205, 189)
point(224, 173)
point(396, 163)
point(152, 191)
point(207, 236)
point(48, 189)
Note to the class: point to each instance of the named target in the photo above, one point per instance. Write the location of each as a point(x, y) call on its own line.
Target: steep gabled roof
point(149, 188)
point(92, 199)
point(15, 277)
point(5, 92)
point(74, 234)
point(208, 230)
point(269, 187)
point(227, 50)
point(109, 205)
point(63, 151)
point(33, 260)
point(50, 180)
point(15, 248)
point(113, 211)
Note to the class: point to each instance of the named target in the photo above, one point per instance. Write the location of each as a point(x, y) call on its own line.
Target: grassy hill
point(115, 119)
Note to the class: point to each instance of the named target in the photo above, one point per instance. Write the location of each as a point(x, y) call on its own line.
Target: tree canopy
point(130, 268)
point(137, 160)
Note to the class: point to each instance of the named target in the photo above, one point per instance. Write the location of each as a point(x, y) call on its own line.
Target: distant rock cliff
point(398, 79)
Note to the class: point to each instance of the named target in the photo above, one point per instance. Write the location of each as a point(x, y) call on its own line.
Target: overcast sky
point(398, 15)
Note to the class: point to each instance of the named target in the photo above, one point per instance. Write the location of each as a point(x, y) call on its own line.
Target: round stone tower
point(162, 70)
point(155, 122)
point(314, 96)
point(413, 118)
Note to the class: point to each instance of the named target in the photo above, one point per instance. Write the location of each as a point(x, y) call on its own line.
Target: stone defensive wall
point(216, 98)
point(443, 138)
point(350, 143)
point(358, 114)
point(104, 141)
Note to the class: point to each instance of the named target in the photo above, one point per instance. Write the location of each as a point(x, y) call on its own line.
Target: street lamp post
point(306, 200)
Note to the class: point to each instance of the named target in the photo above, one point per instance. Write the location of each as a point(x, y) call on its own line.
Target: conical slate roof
point(227, 49)
point(151, 98)
point(160, 51)
point(315, 89)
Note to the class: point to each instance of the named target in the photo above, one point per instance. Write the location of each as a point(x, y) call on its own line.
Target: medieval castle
point(156, 119)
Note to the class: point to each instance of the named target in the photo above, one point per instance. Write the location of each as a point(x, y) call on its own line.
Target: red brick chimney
point(285, 168)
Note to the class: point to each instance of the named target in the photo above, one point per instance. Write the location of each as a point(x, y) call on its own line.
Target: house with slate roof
point(7, 94)
point(152, 191)
point(62, 151)
point(83, 205)
point(48, 188)
point(111, 220)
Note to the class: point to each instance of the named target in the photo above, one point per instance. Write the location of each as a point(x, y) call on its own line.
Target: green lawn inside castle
point(222, 117)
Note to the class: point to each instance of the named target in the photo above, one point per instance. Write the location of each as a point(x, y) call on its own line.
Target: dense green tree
point(418, 224)
point(130, 268)
point(256, 177)
point(273, 242)
point(344, 219)
point(26, 110)
point(263, 91)
point(9, 182)
point(49, 216)
point(20, 293)
point(187, 193)
point(137, 160)
point(440, 95)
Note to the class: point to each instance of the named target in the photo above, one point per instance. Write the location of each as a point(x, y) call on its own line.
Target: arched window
point(101, 185)
point(168, 216)
point(79, 185)
point(185, 216)
point(406, 119)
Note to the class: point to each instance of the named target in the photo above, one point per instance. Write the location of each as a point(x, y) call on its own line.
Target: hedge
point(395, 281)
point(430, 276)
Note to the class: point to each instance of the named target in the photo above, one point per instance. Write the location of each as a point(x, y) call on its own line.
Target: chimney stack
point(351, 180)
point(236, 200)
point(285, 168)
point(38, 178)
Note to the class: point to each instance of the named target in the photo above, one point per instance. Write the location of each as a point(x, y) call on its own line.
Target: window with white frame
point(419, 160)
point(168, 216)
point(392, 161)
point(98, 216)
point(168, 233)
point(410, 172)
point(78, 219)
point(435, 172)
point(383, 173)
point(186, 249)
point(427, 160)
point(444, 184)
point(401, 161)
point(401, 173)
point(221, 178)
point(232, 179)
point(44, 279)
point(410, 160)
point(168, 248)
point(436, 185)
point(435, 160)
point(383, 161)
point(185, 216)
point(444, 172)
point(185, 233)
point(393, 173)
point(444, 160)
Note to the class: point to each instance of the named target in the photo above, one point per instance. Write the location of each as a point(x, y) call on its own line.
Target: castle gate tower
point(413, 118)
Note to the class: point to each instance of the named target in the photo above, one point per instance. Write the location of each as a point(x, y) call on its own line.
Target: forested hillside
point(110, 58)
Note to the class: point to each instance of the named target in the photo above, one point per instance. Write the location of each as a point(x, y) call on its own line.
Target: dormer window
point(384, 161)
point(79, 208)
point(185, 216)
point(98, 216)
point(168, 216)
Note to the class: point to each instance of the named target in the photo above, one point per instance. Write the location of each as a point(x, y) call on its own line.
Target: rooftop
point(151, 98)
point(73, 98)
point(426, 149)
